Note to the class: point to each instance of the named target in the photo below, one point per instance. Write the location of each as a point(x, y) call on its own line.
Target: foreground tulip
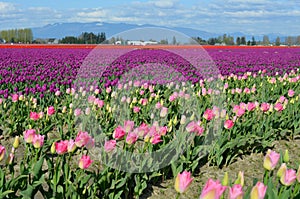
point(28, 135)
point(278, 107)
point(288, 177)
point(119, 133)
point(228, 124)
point(85, 162)
point(61, 147)
point(271, 159)
point(163, 112)
point(281, 171)
point(264, 107)
point(34, 116)
point(183, 181)
point(71, 146)
point(82, 139)
point(38, 141)
point(208, 114)
point(291, 93)
point(110, 145)
point(2, 152)
point(51, 110)
point(236, 192)
point(258, 191)
point(131, 138)
point(212, 190)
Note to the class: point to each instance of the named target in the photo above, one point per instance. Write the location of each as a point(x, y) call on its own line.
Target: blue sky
point(218, 16)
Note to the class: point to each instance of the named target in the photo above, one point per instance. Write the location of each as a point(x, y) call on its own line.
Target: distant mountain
point(60, 30)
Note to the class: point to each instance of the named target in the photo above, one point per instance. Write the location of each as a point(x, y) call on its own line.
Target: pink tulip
point(288, 177)
point(271, 159)
point(82, 139)
point(15, 97)
point(99, 103)
point(136, 109)
point(240, 112)
point(41, 114)
point(91, 99)
point(208, 114)
point(236, 192)
point(61, 147)
point(71, 146)
point(2, 152)
point(128, 126)
point(119, 133)
point(38, 141)
point(163, 130)
point(155, 139)
point(34, 116)
point(183, 181)
point(264, 107)
point(144, 101)
point(172, 98)
point(281, 99)
point(278, 107)
point(291, 93)
point(163, 112)
point(258, 191)
point(84, 162)
point(158, 105)
point(193, 127)
point(203, 91)
point(228, 124)
point(247, 90)
point(212, 190)
point(251, 106)
point(110, 145)
point(131, 138)
point(51, 110)
point(29, 135)
point(77, 112)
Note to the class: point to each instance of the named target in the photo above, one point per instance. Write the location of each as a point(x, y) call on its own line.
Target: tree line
point(26, 36)
point(229, 40)
point(84, 38)
point(17, 35)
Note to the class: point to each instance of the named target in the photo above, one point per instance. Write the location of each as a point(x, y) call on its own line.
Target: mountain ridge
point(60, 30)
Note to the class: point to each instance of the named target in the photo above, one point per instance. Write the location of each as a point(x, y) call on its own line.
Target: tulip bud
point(225, 179)
point(16, 142)
point(183, 119)
point(240, 179)
point(52, 150)
point(286, 156)
point(281, 170)
point(298, 174)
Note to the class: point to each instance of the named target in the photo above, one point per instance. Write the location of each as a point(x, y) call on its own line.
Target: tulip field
point(84, 121)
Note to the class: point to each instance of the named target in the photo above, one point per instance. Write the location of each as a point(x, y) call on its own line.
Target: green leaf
point(60, 189)
point(27, 194)
point(36, 172)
